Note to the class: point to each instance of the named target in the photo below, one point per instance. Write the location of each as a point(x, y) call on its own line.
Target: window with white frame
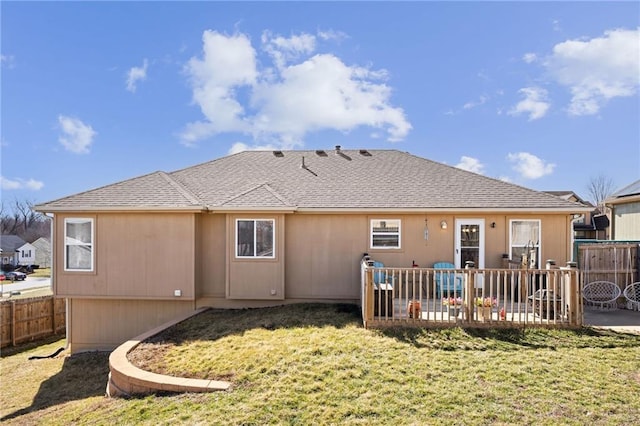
point(255, 238)
point(78, 244)
point(385, 233)
point(525, 242)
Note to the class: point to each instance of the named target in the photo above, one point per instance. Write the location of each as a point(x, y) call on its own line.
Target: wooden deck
point(516, 298)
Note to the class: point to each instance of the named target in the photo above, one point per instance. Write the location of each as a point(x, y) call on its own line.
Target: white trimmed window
point(78, 244)
point(255, 238)
point(385, 233)
point(524, 237)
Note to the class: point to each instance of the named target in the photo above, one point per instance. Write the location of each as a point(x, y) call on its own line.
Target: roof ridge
point(265, 185)
point(277, 195)
point(181, 189)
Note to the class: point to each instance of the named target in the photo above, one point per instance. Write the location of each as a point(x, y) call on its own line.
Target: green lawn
point(315, 364)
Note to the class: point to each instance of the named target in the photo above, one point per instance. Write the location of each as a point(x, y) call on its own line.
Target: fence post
point(368, 291)
point(469, 289)
point(575, 297)
point(53, 315)
point(13, 323)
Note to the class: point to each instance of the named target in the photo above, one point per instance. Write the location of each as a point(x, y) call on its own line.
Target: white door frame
point(458, 246)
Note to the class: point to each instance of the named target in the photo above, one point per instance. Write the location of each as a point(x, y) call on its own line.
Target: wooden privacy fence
point(24, 320)
point(614, 262)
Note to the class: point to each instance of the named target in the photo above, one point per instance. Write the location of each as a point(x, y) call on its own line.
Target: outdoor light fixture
point(443, 224)
point(493, 224)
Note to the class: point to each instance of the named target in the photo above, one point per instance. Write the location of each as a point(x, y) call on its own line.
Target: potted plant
point(485, 307)
point(454, 304)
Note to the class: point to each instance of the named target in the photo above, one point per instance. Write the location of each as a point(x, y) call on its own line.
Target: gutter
point(120, 209)
point(441, 210)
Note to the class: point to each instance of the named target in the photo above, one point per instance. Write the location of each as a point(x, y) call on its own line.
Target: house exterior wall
point(255, 278)
point(626, 218)
point(323, 252)
point(140, 259)
point(26, 254)
point(43, 252)
point(136, 256)
point(212, 261)
point(105, 324)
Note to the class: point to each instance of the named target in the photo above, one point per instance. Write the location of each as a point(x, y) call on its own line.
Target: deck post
point(469, 289)
point(368, 292)
point(574, 299)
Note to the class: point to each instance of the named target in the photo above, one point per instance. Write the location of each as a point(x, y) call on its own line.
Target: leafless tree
point(23, 221)
point(600, 188)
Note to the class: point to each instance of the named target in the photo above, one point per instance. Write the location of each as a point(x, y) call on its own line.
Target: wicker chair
point(601, 294)
point(632, 295)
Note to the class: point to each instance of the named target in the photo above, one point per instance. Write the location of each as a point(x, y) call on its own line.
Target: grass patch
point(41, 273)
point(315, 364)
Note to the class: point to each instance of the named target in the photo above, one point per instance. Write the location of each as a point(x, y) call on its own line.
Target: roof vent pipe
point(303, 166)
point(337, 149)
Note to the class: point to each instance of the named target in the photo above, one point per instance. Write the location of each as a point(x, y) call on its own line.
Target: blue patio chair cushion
point(447, 282)
point(379, 277)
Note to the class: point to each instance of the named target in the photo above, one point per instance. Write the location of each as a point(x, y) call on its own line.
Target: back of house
point(262, 228)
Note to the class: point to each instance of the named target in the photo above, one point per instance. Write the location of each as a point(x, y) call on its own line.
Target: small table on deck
point(543, 299)
point(383, 299)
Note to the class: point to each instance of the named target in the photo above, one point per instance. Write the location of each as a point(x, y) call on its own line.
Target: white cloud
point(283, 50)
point(470, 164)
point(529, 57)
point(472, 104)
point(228, 63)
point(76, 136)
point(529, 166)
point(135, 75)
point(598, 69)
point(7, 61)
point(241, 146)
point(324, 93)
point(302, 94)
point(19, 183)
point(534, 103)
point(332, 35)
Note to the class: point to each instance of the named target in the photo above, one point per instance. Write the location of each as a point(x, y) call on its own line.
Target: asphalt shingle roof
point(10, 243)
point(631, 189)
point(345, 179)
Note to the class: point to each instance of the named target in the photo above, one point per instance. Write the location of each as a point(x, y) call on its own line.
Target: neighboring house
point(592, 225)
point(625, 212)
point(10, 246)
point(262, 228)
point(26, 254)
point(43, 252)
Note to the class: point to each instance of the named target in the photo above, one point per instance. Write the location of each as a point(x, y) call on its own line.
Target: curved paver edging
point(126, 379)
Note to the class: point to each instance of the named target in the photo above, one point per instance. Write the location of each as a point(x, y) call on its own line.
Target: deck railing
point(471, 297)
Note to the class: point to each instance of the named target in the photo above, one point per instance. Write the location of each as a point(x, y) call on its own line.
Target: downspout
point(612, 222)
point(574, 218)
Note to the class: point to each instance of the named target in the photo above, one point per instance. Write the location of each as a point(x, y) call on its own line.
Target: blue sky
point(541, 94)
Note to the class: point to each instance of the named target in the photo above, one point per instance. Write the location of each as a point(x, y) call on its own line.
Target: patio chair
point(447, 282)
point(632, 295)
point(379, 277)
point(601, 294)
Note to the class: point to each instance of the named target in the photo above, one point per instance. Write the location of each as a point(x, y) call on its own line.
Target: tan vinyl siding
point(626, 221)
point(136, 256)
point(105, 324)
point(212, 255)
point(322, 255)
point(255, 278)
